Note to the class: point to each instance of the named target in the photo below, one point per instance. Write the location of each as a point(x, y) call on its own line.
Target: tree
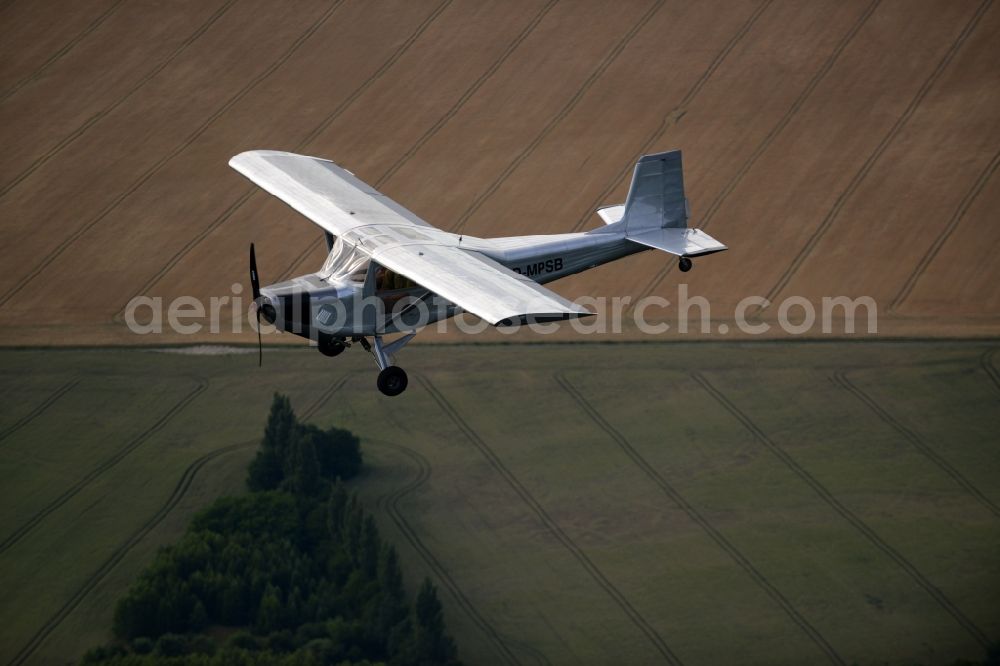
point(269, 613)
point(281, 422)
point(371, 544)
point(339, 453)
point(268, 466)
point(390, 577)
point(298, 561)
point(392, 609)
point(433, 644)
point(336, 510)
point(302, 471)
point(199, 617)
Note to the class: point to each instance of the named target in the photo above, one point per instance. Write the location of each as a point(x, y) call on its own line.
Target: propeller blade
point(254, 280)
point(255, 289)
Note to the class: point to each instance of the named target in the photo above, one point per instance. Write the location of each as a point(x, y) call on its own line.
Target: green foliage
point(297, 565)
point(299, 457)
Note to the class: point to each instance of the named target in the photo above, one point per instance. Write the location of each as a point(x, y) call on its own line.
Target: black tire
point(330, 346)
point(392, 381)
point(685, 264)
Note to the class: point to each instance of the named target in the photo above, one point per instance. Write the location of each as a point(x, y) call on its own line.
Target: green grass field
point(693, 503)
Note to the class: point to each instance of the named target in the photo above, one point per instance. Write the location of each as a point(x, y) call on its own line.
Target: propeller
point(255, 289)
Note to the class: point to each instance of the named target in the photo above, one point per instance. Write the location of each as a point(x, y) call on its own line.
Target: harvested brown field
point(838, 148)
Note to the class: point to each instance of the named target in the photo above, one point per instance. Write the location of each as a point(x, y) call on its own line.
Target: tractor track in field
point(568, 107)
point(343, 106)
point(66, 48)
point(92, 475)
point(677, 498)
point(252, 190)
point(530, 650)
point(831, 500)
point(254, 81)
point(553, 528)
point(939, 240)
point(773, 134)
point(840, 380)
point(40, 409)
point(87, 124)
point(873, 158)
point(986, 363)
point(180, 490)
point(467, 95)
point(187, 478)
point(391, 506)
point(449, 114)
point(674, 115)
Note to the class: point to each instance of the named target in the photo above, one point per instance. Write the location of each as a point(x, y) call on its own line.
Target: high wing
point(477, 283)
point(328, 195)
point(396, 238)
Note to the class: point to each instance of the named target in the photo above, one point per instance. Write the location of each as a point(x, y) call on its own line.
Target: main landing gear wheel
point(685, 264)
point(330, 346)
point(392, 380)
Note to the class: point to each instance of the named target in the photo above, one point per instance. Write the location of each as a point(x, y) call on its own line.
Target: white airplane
point(388, 271)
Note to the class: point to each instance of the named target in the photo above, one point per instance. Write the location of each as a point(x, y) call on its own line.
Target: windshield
point(345, 261)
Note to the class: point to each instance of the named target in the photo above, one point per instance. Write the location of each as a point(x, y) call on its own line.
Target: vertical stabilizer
point(656, 198)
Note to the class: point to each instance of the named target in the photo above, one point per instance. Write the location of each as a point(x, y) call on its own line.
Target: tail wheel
point(392, 381)
point(685, 264)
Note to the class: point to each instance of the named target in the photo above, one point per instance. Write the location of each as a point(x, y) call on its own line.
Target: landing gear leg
point(392, 379)
point(684, 264)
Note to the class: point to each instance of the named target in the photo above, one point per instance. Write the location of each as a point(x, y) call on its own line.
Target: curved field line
point(721, 541)
point(606, 62)
point(530, 650)
point(942, 238)
point(324, 397)
point(82, 129)
point(66, 48)
point(107, 464)
point(318, 129)
point(675, 114)
point(183, 485)
point(840, 379)
point(848, 515)
point(177, 150)
point(40, 409)
point(392, 501)
point(449, 114)
point(553, 527)
point(874, 157)
point(986, 363)
point(807, 92)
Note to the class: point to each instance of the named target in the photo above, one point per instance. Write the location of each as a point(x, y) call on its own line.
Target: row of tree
point(295, 572)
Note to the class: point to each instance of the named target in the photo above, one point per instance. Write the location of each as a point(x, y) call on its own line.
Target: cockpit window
point(345, 261)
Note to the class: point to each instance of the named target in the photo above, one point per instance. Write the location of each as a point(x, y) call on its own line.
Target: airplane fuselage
point(314, 305)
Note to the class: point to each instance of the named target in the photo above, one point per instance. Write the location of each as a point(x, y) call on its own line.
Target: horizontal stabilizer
point(682, 242)
point(612, 214)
